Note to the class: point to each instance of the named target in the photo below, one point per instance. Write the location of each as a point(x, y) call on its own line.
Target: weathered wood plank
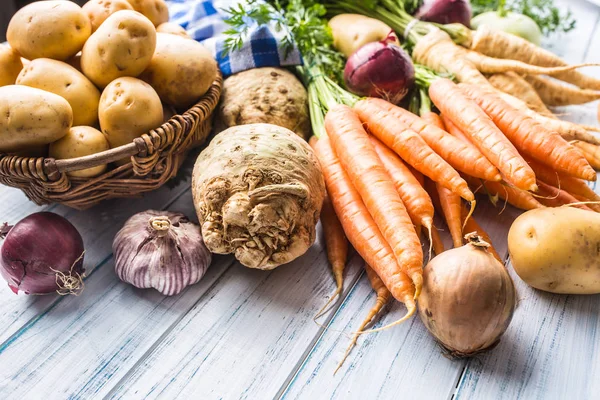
point(404, 359)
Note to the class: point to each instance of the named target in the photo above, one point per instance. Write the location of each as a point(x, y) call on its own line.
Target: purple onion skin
point(446, 12)
point(380, 69)
point(36, 245)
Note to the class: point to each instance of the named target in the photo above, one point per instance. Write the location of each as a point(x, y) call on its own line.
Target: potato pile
point(76, 81)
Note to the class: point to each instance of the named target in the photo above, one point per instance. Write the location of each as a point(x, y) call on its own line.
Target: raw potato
point(49, 29)
point(265, 95)
point(31, 117)
point(80, 141)
point(10, 65)
point(173, 29)
point(122, 46)
point(62, 79)
point(181, 70)
point(258, 191)
point(557, 249)
point(129, 108)
point(155, 10)
point(352, 31)
point(98, 10)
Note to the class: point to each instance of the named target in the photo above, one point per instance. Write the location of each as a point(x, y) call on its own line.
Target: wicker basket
point(155, 158)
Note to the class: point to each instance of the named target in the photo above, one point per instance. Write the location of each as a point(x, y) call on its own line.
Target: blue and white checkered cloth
point(204, 21)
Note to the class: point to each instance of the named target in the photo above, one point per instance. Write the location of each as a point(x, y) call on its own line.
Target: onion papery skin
point(380, 69)
point(38, 247)
point(468, 300)
point(445, 12)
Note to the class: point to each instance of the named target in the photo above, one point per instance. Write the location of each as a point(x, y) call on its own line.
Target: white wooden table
point(246, 334)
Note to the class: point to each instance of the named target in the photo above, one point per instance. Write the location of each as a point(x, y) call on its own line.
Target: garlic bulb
point(160, 250)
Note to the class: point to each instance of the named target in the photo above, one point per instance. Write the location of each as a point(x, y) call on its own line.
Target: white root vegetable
point(258, 191)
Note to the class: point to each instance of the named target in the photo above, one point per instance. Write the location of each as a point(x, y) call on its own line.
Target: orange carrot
point(530, 136)
point(454, 131)
point(472, 226)
point(415, 198)
point(591, 153)
point(336, 245)
point(475, 123)
point(438, 245)
point(360, 228)
point(383, 297)
point(458, 154)
point(518, 198)
point(554, 197)
point(575, 186)
point(359, 159)
point(385, 124)
point(433, 119)
point(451, 206)
point(418, 176)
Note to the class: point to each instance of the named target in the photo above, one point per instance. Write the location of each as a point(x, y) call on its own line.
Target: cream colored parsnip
point(122, 46)
point(80, 141)
point(10, 65)
point(557, 249)
point(31, 117)
point(181, 70)
point(62, 79)
point(49, 29)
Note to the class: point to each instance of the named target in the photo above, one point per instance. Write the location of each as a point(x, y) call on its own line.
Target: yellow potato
point(49, 29)
point(122, 46)
point(557, 249)
point(173, 29)
point(181, 70)
point(10, 65)
point(129, 107)
point(352, 31)
point(80, 141)
point(98, 10)
point(31, 117)
point(62, 79)
point(155, 10)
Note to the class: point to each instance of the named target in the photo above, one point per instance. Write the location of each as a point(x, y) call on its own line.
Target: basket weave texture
point(155, 158)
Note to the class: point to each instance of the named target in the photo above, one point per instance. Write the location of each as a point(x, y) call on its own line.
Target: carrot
point(451, 205)
point(438, 244)
point(415, 198)
point(518, 198)
point(529, 136)
point(554, 197)
point(499, 44)
point(516, 86)
point(474, 122)
point(490, 65)
point(472, 226)
point(385, 124)
point(383, 297)
point(575, 186)
point(456, 153)
point(555, 94)
point(336, 245)
point(437, 51)
point(359, 159)
point(591, 153)
point(454, 131)
point(432, 118)
point(418, 176)
point(594, 206)
point(360, 228)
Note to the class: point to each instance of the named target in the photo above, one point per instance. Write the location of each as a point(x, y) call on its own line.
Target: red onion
point(445, 12)
point(380, 69)
point(41, 254)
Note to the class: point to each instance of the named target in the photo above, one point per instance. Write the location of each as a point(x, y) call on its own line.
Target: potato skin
point(181, 70)
point(352, 31)
point(31, 117)
point(62, 79)
point(80, 141)
point(10, 65)
point(265, 95)
point(122, 46)
point(49, 29)
point(129, 107)
point(98, 10)
point(557, 249)
point(173, 29)
point(155, 10)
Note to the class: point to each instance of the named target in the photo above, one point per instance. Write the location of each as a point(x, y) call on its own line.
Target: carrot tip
point(417, 279)
point(412, 308)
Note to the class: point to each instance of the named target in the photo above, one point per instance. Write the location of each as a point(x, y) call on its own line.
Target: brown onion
point(468, 298)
